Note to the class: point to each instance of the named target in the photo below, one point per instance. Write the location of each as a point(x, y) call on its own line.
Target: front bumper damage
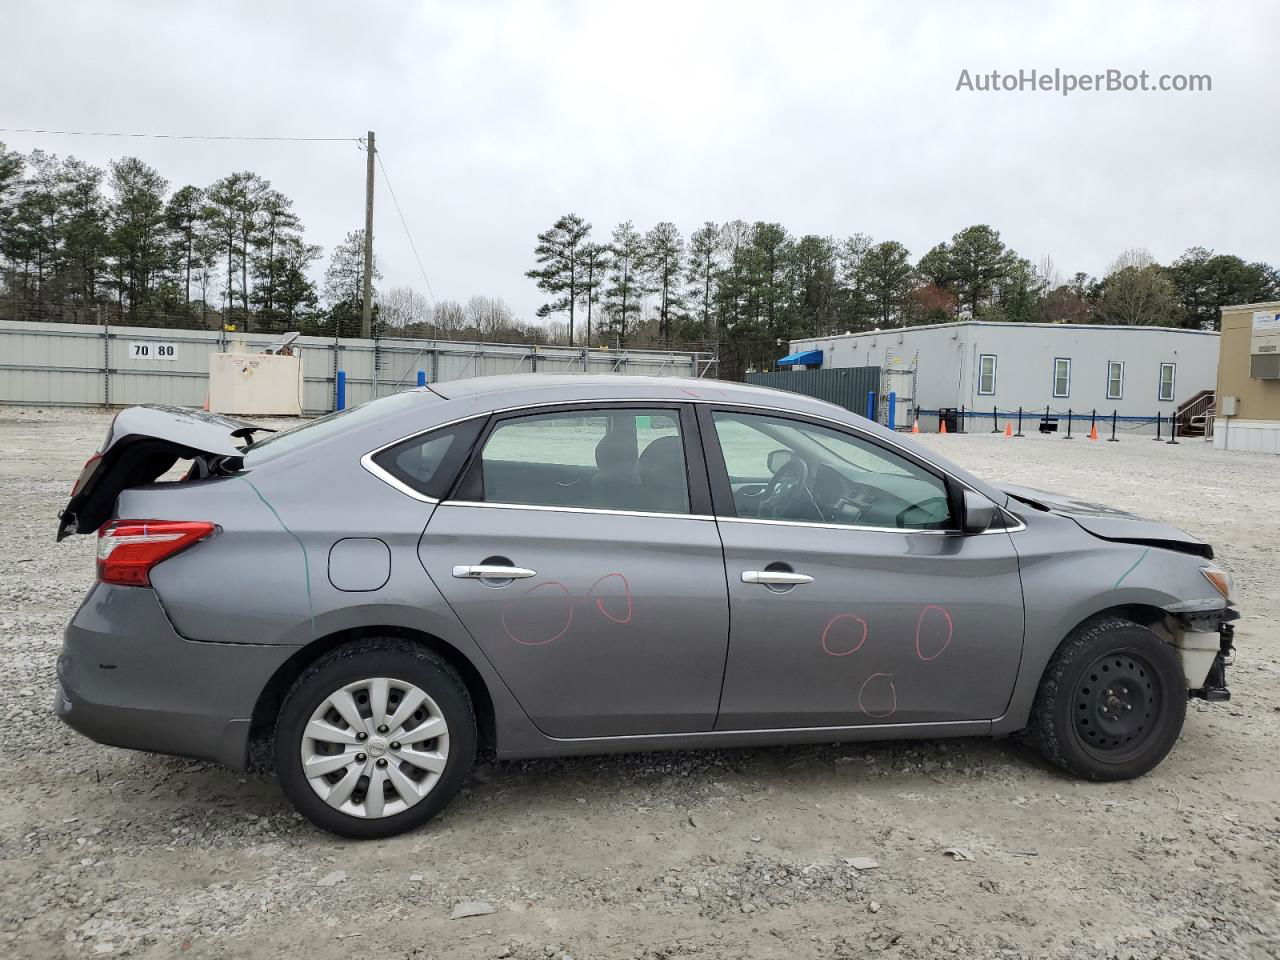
point(1196, 645)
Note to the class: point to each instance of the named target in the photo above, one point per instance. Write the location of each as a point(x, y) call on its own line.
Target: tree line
point(85, 244)
point(747, 288)
point(79, 242)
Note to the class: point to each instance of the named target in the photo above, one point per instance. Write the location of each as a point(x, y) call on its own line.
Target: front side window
point(1062, 377)
point(1166, 381)
point(781, 469)
point(1115, 380)
point(623, 459)
point(987, 375)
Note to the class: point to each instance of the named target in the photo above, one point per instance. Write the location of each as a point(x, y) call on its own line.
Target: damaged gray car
point(552, 565)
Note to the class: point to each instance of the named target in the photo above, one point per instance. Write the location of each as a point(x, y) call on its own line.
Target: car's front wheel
point(1111, 702)
point(375, 738)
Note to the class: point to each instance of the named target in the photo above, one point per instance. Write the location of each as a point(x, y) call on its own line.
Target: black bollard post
point(961, 418)
point(995, 419)
point(1156, 438)
point(1019, 433)
point(1173, 428)
point(1112, 438)
point(1068, 436)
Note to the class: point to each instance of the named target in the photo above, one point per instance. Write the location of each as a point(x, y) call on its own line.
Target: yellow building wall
point(1259, 399)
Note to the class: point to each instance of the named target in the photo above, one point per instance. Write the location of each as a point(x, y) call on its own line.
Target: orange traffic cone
point(915, 425)
point(1008, 428)
point(1093, 432)
point(942, 426)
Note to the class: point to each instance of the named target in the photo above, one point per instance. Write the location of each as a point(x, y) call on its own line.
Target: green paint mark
point(306, 566)
point(1141, 557)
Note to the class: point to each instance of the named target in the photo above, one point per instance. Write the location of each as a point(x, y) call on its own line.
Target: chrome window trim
point(366, 461)
point(552, 508)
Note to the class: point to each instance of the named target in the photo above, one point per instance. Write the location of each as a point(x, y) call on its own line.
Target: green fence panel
point(846, 387)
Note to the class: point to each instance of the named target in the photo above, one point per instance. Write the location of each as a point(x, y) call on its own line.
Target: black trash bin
point(951, 417)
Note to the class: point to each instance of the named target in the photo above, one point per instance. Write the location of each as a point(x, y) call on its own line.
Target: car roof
point(552, 387)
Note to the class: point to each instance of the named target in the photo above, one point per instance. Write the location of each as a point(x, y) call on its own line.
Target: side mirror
point(779, 459)
point(979, 513)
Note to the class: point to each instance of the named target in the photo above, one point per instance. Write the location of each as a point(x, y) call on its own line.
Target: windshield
point(304, 434)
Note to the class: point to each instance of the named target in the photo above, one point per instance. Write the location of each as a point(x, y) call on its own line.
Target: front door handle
point(492, 571)
point(775, 577)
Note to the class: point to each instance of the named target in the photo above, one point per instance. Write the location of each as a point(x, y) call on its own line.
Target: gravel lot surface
point(744, 853)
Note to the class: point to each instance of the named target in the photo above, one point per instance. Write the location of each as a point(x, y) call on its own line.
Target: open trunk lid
point(142, 444)
point(1108, 523)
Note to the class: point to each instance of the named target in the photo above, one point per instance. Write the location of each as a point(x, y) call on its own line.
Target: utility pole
point(366, 317)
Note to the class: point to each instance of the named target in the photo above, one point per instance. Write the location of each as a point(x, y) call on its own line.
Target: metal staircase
point(1195, 416)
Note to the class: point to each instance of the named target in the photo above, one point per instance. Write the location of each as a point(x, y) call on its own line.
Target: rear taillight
point(128, 549)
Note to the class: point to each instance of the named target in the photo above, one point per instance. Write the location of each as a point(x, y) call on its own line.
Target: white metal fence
point(83, 365)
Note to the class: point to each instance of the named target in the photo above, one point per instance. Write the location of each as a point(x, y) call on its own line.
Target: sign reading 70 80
point(150, 350)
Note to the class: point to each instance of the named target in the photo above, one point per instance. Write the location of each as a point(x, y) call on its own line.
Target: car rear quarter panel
point(1069, 576)
point(265, 578)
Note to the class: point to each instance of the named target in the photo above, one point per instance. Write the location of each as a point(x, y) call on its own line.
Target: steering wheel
point(787, 487)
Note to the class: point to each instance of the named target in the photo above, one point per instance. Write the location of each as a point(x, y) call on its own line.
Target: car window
point(429, 463)
point(622, 459)
point(781, 469)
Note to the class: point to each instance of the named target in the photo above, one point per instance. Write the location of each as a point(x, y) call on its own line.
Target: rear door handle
point(775, 577)
point(492, 571)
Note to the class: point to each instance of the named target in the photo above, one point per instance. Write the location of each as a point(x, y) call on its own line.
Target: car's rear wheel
point(375, 738)
point(1111, 702)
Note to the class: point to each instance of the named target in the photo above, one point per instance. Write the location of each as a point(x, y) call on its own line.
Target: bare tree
point(403, 307)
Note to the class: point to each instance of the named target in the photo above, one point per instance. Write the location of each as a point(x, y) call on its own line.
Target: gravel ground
point(744, 853)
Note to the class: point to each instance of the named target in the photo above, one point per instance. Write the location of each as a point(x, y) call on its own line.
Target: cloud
point(832, 118)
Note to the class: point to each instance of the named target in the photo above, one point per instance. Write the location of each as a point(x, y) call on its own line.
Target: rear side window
point(428, 463)
point(616, 459)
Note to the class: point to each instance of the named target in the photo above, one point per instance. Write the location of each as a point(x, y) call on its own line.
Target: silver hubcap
point(375, 747)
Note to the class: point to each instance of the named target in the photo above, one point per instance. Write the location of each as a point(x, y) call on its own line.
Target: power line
point(412, 246)
point(175, 136)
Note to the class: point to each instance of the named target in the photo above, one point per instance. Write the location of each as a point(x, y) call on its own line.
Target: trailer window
point(987, 375)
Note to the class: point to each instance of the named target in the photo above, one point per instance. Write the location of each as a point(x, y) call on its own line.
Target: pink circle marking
point(893, 697)
point(568, 621)
point(920, 623)
point(831, 623)
point(626, 595)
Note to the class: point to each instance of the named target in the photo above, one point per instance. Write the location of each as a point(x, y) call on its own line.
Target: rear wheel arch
point(273, 693)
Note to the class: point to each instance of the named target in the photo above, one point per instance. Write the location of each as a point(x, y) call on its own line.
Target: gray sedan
point(548, 565)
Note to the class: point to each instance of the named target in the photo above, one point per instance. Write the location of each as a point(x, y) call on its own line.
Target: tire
point(351, 761)
point(1111, 702)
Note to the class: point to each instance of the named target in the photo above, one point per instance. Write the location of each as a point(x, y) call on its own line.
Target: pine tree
point(561, 271)
point(664, 263)
point(626, 288)
point(702, 273)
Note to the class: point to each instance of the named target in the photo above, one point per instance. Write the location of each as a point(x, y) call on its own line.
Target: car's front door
point(853, 598)
point(579, 551)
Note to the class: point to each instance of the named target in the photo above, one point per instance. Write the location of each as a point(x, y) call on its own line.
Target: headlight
point(1221, 580)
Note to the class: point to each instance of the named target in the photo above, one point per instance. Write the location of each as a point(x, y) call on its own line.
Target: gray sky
point(494, 118)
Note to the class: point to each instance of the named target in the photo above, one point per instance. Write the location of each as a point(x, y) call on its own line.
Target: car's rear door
point(853, 598)
point(579, 551)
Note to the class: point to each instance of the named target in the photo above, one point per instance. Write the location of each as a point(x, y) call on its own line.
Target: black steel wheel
point(1111, 702)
